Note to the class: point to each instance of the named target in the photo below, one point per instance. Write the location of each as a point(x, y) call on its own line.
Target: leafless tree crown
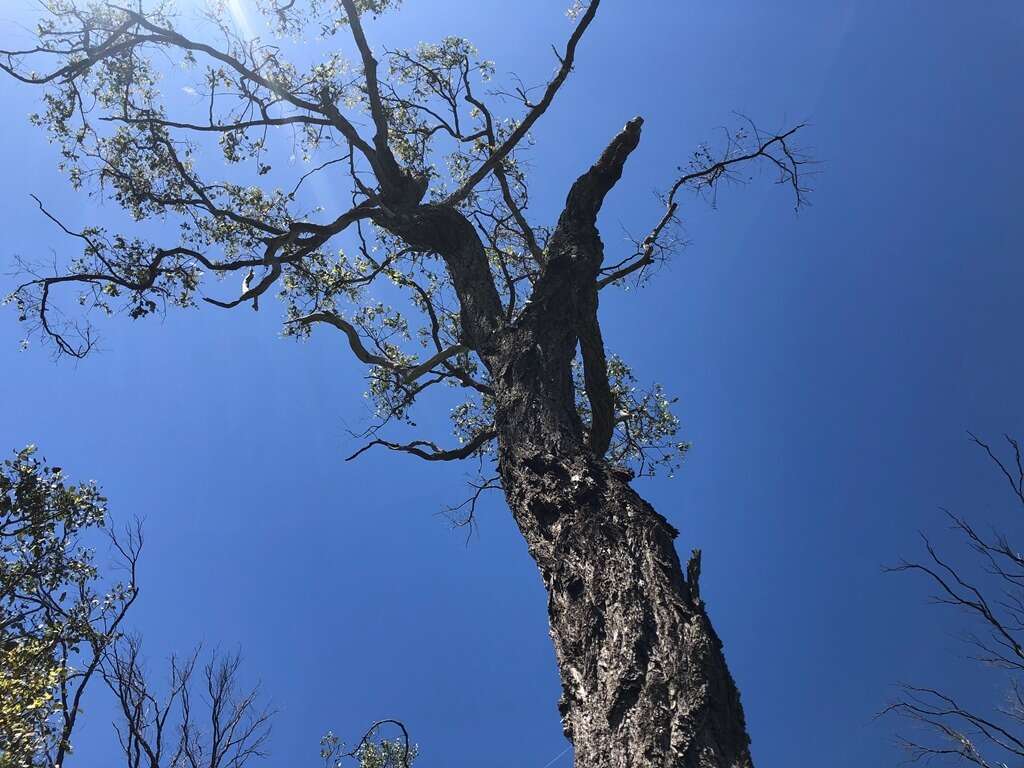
point(988, 588)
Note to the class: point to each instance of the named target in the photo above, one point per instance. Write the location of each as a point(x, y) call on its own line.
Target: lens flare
point(241, 18)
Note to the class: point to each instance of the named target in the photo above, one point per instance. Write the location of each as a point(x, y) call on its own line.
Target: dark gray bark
point(644, 679)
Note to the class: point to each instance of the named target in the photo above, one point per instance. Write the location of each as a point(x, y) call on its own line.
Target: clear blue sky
point(827, 365)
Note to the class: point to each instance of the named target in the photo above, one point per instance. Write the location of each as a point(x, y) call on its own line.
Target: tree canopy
point(445, 133)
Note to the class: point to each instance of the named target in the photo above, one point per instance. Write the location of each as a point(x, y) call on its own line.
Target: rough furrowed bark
point(643, 674)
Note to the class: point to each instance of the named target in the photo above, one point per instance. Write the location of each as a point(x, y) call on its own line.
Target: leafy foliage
point(56, 619)
point(370, 752)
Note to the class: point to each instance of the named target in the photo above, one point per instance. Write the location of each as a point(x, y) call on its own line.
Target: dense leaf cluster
point(56, 616)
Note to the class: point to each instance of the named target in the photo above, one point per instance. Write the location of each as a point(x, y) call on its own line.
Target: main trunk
point(644, 678)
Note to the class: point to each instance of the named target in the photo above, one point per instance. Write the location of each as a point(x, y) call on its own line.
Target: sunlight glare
point(241, 18)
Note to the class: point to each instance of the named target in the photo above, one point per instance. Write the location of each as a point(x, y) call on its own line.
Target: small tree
point(220, 726)
point(499, 307)
point(204, 716)
point(57, 617)
point(372, 750)
point(988, 587)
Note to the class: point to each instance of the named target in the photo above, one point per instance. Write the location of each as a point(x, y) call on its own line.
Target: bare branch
point(993, 597)
point(164, 728)
point(566, 63)
point(408, 374)
point(709, 168)
point(429, 451)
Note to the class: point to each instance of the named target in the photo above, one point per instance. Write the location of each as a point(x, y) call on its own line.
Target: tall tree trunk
point(644, 679)
point(643, 675)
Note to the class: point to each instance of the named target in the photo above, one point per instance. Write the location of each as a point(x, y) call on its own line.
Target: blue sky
point(827, 364)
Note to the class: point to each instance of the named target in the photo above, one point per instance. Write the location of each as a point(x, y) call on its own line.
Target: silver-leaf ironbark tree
point(498, 307)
